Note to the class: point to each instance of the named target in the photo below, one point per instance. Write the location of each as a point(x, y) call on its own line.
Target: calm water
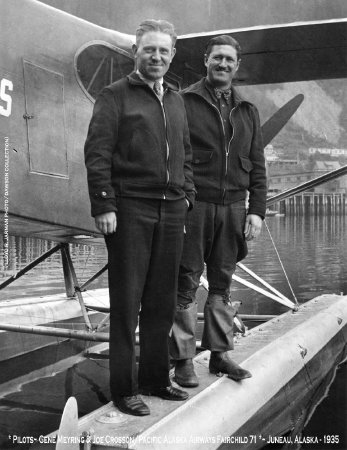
point(312, 250)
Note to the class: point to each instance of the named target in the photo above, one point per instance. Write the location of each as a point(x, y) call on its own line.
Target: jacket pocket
point(202, 156)
point(244, 174)
point(246, 163)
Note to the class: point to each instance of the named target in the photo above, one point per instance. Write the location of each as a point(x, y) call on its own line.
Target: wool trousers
point(143, 256)
point(214, 236)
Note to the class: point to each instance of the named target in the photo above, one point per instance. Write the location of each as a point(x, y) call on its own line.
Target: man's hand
point(253, 226)
point(106, 223)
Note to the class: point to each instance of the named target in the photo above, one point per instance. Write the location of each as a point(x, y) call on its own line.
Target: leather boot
point(132, 404)
point(184, 373)
point(221, 362)
point(167, 393)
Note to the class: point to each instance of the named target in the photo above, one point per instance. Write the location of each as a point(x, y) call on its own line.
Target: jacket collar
point(199, 88)
point(135, 80)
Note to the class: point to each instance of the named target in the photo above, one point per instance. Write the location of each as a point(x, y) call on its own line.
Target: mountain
point(321, 120)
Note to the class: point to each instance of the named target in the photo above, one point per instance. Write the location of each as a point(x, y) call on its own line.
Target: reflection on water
point(47, 277)
point(330, 418)
point(313, 251)
point(34, 409)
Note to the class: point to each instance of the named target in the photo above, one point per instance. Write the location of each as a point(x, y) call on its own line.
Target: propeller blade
point(276, 122)
point(68, 428)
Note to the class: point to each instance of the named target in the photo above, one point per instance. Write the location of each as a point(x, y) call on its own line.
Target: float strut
point(30, 266)
point(94, 277)
point(71, 280)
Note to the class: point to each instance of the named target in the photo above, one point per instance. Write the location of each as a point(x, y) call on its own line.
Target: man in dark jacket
point(228, 162)
point(138, 159)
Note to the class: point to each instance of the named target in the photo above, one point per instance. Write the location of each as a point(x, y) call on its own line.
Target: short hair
point(156, 25)
point(223, 39)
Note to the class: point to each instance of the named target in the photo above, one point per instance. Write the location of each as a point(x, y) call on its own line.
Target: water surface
point(313, 251)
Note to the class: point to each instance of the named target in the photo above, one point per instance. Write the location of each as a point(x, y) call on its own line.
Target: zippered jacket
point(225, 171)
point(137, 147)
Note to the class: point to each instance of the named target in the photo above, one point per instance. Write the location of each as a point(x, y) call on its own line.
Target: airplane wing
point(273, 54)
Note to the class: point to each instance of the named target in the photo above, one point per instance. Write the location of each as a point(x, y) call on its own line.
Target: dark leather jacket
point(224, 171)
point(133, 149)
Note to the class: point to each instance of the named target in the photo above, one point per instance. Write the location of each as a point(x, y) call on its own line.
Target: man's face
point(154, 54)
point(222, 64)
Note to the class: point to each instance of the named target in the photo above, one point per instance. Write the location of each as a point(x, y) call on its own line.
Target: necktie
point(226, 94)
point(157, 88)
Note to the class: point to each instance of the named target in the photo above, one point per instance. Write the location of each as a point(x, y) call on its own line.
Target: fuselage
point(45, 108)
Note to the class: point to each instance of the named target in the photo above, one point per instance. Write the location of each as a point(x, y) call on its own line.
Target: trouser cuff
point(183, 339)
point(218, 328)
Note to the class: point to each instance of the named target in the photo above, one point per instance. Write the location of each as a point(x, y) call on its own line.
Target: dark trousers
point(214, 236)
point(143, 255)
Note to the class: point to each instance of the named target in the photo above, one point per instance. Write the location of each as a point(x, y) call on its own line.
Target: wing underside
point(274, 54)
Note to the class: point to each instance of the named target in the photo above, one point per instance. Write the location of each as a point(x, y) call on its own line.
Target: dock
point(289, 357)
point(313, 203)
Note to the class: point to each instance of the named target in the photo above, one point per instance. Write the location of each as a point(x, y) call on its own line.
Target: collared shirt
point(150, 82)
point(224, 109)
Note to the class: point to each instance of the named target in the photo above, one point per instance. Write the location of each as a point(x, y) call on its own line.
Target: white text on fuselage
point(5, 98)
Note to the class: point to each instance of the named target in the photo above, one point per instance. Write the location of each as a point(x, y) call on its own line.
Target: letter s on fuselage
point(5, 97)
